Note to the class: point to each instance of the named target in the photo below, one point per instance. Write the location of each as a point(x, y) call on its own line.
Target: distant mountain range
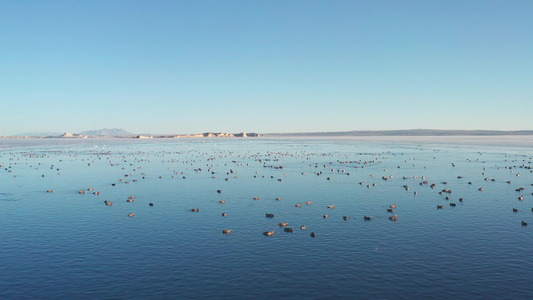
point(118, 132)
point(38, 133)
point(106, 132)
point(407, 132)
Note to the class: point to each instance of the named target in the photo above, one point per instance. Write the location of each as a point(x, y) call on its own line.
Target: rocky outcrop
point(218, 135)
point(70, 135)
point(106, 132)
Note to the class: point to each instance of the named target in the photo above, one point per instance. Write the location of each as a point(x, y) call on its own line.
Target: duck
point(288, 229)
point(131, 214)
point(278, 198)
point(325, 216)
point(283, 224)
point(108, 203)
point(367, 218)
point(302, 227)
point(257, 198)
point(440, 206)
point(298, 205)
point(268, 233)
point(515, 210)
point(393, 218)
point(226, 231)
point(524, 223)
point(222, 201)
point(309, 202)
point(269, 215)
point(313, 234)
point(345, 218)
point(195, 210)
point(331, 206)
point(223, 214)
point(453, 204)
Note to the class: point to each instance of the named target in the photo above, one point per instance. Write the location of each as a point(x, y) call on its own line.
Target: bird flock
point(277, 167)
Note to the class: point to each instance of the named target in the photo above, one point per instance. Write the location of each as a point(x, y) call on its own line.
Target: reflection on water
point(67, 244)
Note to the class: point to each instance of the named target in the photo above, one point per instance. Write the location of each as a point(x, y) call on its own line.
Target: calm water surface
point(66, 245)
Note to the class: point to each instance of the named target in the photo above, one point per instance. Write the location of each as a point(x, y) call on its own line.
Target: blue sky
point(265, 66)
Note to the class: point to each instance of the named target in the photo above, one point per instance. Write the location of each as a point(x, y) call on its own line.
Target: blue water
point(66, 245)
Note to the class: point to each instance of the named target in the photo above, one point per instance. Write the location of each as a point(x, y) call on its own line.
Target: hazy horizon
point(265, 66)
point(419, 132)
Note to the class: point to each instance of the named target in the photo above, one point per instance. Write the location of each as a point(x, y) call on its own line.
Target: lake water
point(67, 245)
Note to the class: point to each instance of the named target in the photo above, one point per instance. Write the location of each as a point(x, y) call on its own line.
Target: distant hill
point(107, 132)
point(408, 132)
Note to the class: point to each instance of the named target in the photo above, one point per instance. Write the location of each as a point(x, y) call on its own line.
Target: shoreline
point(486, 141)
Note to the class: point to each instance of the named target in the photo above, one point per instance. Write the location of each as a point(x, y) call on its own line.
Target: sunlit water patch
point(61, 240)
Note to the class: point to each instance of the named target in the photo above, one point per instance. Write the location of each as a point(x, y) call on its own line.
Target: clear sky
point(265, 66)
